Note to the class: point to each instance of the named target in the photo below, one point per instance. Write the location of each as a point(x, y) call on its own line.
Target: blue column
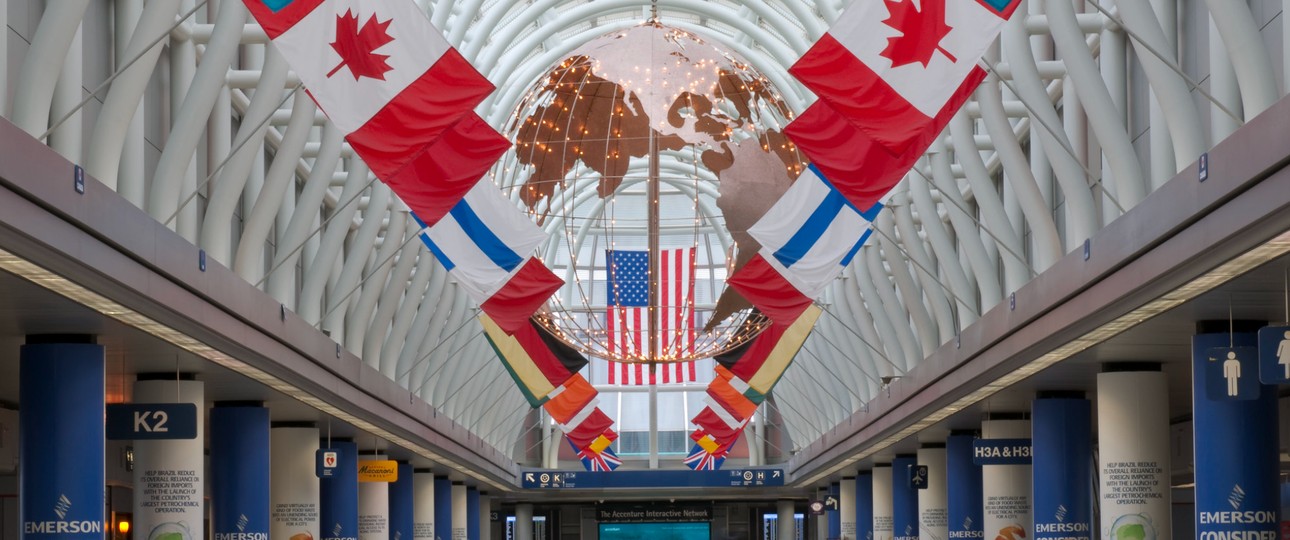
point(472, 513)
point(904, 499)
point(60, 434)
point(239, 450)
point(338, 495)
point(864, 505)
point(963, 484)
point(1235, 436)
point(835, 517)
point(442, 508)
point(1061, 426)
point(401, 504)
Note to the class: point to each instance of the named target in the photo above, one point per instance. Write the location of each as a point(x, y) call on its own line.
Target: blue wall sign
point(549, 479)
point(1001, 451)
point(1274, 355)
point(325, 462)
point(918, 476)
point(1231, 373)
point(148, 421)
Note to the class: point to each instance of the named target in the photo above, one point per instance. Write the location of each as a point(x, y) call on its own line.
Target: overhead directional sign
point(831, 502)
point(148, 421)
point(548, 479)
point(1274, 355)
point(918, 476)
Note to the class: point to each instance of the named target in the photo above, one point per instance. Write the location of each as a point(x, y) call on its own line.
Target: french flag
point(807, 238)
point(890, 75)
point(387, 78)
point(486, 243)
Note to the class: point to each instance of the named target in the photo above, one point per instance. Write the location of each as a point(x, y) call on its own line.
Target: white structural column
point(524, 521)
point(293, 485)
point(882, 510)
point(485, 516)
point(1133, 450)
point(1006, 488)
point(373, 505)
point(423, 505)
point(847, 507)
point(785, 521)
point(168, 474)
point(459, 514)
point(933, 501)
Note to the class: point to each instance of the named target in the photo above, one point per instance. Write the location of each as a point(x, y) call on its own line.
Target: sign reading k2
point(144, 421)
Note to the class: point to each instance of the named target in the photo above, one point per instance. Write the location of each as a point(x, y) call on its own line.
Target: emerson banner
point(652, 513)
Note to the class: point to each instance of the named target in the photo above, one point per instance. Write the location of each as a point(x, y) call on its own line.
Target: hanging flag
point(379, 70)
point(485, 242)
point(894, 69)
point(442, 172)
point(807, 238)
point(603, 461)
point(764, 360)
point(627, 316)
point(719, 423)
point(589, 426)
point(700, 459)
point(564, 402)
point(535, 359)
point(722, 392)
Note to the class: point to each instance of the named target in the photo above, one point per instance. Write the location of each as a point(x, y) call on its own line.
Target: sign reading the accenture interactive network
point(548, 479)
point(1001, 452)
point(646, 513)
point(150, 421)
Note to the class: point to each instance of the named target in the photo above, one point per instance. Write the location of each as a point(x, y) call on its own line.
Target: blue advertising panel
point(1231, 373)
point(963, 484)
point(1001, 451)
point(1236, 440)
point(401, 518)
point(864, 505)
point(904, 499)
point(442, 507)
point(338, 494)
point(1063, 473)
point(549, 479)
point(1274, 355)
point(239, 447)
point(60, 426)
point(148, 421)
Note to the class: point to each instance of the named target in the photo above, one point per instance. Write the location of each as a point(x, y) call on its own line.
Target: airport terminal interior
point(644, 269)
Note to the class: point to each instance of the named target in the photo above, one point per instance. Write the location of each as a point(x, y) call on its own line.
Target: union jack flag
point(700, 460)
point(603, 462)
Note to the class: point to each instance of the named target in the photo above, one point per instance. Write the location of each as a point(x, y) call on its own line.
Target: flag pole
point(652, 341)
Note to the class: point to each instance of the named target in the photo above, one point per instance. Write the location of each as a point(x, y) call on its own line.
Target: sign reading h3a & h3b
point(1001, 452)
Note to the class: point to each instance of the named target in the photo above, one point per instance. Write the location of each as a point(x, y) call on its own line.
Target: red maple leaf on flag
point(921, 32)
point(357, 47)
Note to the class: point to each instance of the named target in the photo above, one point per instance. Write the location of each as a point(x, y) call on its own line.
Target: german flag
point(537, 361)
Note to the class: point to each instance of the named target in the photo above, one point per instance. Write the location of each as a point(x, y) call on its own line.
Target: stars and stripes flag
point(627, 316)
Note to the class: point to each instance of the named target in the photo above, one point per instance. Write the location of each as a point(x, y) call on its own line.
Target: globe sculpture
point(649, 139)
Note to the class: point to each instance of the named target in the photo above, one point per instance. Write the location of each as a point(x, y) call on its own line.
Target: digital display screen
point(654, 531)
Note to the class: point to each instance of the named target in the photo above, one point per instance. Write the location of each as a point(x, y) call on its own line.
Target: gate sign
point(1274, 355)
point(1001, 452)
point(150, 421)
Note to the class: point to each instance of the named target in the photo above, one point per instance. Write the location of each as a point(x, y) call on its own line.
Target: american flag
point(627, 316)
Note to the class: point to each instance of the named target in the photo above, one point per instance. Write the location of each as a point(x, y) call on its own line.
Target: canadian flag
point(387, 78)
point(894, 71)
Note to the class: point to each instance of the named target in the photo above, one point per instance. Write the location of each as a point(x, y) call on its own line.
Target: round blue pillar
point(963, 486)
point(472, 513)
point(338, 495)
point(61, 438)
point(239, 450)
point(401, 504)
point(864, 505)
point(1061, 425)
point(904, 498)
point(834, 516)
point(442, 507)
point(1235, 425)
